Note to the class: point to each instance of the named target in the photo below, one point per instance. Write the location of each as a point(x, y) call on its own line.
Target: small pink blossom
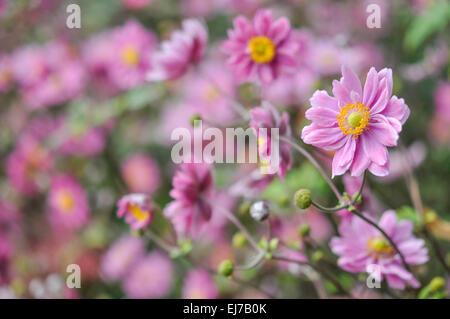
point(68, 203)
point(199, 285)
point(137, 209)
point(185, 47)
point(193, 188)
point(359, 124)
point(261, 49)
point(361, 245)
point(132, 54)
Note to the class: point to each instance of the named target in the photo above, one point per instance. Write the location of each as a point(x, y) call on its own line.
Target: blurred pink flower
point(441, 118)
point(121, 256)
point(199, 284)
point(261, 49)
point(193, 188)
point(68, 203)
point(137, 210)
point(361, 245)
point(141, 173)
point(88, 143)
point(358, 124)
point(136, 4)
point(185, 47)
point(325, 57)
point(48, 75)
point(267, 117)
point(98, 58)
point(132, 54)
point(150, 277)
point(211, 93)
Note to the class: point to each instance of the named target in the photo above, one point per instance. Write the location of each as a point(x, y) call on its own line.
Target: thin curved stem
point(328, 209)
point(241, 227)
point(394, 245)
point(253, 263)
point(360, 189)
point(160, 242)
point(315, 163)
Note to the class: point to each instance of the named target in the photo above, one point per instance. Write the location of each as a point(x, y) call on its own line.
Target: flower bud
point(226, 268)
point(317, 256)
point(437, 283)
point(259, 210)
point(302, 198)
point(239, 240)
point(195, 119)
point(244, 208)
point(303, 230)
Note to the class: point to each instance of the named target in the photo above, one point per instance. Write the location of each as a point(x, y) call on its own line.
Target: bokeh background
point(76, 111)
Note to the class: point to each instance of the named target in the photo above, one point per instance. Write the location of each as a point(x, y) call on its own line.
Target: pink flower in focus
point(137, 210)
point(141, 173)
point(132, 54)
point(68, 203)
point(120, 257)
point(185, 47)
point(261, 49)
point(150, 277)
point(358, 124)
point(267, 117)
point(361, 245)
point(193, 188)
point(199, 285)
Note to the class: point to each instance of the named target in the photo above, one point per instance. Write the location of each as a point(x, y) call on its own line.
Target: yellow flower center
point(379, 247)
point(211, 94)
point(138, 213)
point(130, 56)
point(65, 201)
point(354, 119)
point(262, 49)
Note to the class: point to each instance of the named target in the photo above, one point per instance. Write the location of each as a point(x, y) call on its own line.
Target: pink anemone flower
point(359, 124)
point(362, 245)
point(137, 210)
point(261, 49)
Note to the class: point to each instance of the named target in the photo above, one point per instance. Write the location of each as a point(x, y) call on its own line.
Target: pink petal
point(321, 98)
point(360, 161)
point(350, 80)
point(376, 151)
point(343, 157)
point(322, 116)
point(370, 87)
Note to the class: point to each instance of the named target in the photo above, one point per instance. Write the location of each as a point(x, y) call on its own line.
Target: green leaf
point(433, 20)
point(407, 212)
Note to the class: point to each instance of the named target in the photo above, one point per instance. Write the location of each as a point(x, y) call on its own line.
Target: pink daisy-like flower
point(361, 245)
point(261, 49)
point(68, 203)
point(199, 285)
point(193, 188)
point(185, 47)
point(359, 124)
point(141, 173)
point(137, 209)
point(132, 54)
point(150, 277)
point(267, 117)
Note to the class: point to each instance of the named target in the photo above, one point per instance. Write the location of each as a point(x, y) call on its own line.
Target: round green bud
point(303, 230)
point(239, 240)
point(437, 283)
point(283, 201)
point(317, 256)
point(194, 119)
point(226, 268)
point(302, 198)
point(244, 208)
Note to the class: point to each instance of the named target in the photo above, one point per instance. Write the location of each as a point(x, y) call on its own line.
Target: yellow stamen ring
point(262, 49)
point(354, 119)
